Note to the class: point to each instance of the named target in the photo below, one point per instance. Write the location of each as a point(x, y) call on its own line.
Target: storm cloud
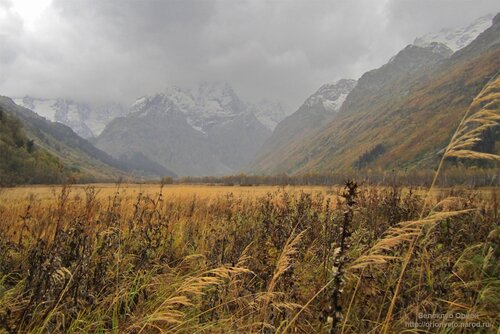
point(97, 50)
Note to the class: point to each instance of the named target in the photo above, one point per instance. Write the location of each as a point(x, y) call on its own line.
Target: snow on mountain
point(331, 96)
point(63, 111)
point(222, 97)
point(316, 111)
point(457, 38)
point(439, 48)
point(210, 104)
point(203, 131)
point(85, 119)
point(269, 113)
point(147, 105)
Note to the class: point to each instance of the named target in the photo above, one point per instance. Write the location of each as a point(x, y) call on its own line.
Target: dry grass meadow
point(131, 190)
point(210, 259)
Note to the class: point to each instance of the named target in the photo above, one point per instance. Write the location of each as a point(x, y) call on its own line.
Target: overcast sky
point(96, 50)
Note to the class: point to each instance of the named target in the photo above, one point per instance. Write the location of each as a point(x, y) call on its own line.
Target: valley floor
point(139, 258)
point(131, 190)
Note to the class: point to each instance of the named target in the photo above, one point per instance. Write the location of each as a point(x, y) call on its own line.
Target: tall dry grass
point(157, 263)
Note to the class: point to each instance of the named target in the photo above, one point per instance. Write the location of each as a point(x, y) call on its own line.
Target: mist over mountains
point(372, 122)
point(457, 38)
point(201, 131)
point(87, 120)
point(205, 131)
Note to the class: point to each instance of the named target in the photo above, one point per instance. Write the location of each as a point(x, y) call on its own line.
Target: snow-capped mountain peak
point(158, 103)
point(457, 38)
point(269, 113)
point(218, 100)
point(85, 119)
point(208, 105)
point(331, 96)
point(439, 48)
point(203, 131)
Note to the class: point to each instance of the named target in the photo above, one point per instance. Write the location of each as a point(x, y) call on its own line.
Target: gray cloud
point(283, 50)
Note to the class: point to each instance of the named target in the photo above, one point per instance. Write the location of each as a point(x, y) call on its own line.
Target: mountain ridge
point(457, 38)
point(312, 114)
point(76, 153)
point(86, 119)
point(205, 131)
point(380, 117)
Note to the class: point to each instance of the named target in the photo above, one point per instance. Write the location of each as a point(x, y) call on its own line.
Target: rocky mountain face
point(269, 113)
point(312, 115)
point(457, 38)
point(400, 115)
point(87, 120)
point(390, 82)
point(202, 131)
point(328, 99)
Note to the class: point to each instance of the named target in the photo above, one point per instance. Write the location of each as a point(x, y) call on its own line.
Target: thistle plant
point(340, 254)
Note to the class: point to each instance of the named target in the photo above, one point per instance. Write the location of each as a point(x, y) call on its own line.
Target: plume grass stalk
point(458, 139)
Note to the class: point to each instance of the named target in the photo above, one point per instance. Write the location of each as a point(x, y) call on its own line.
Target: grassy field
point(44, 195)
point(47, 192)
point(201, 259)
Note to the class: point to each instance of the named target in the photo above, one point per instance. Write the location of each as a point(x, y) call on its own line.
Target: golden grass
point(131, 190)
point(201, 259)
point(482, 115)
point(461, 145)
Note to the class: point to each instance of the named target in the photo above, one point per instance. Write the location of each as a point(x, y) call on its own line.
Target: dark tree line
point(455, 175)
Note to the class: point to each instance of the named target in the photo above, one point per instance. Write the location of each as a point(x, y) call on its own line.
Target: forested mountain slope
point(75, 155)
point(20, 160)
